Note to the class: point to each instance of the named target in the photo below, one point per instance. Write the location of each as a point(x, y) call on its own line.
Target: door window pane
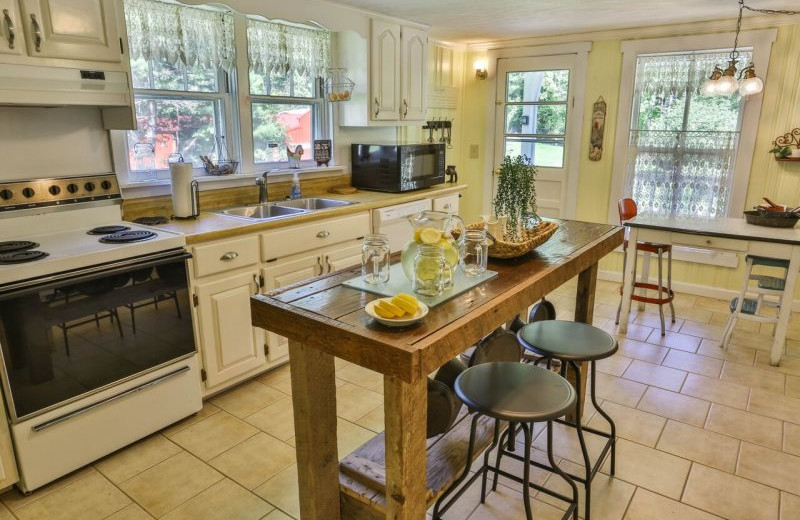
point(536, 119)
point(168, 126)
point(280, 125)
point(543, 151)
point(537, 85)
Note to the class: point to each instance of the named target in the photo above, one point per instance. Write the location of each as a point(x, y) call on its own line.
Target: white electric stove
point(96, 332)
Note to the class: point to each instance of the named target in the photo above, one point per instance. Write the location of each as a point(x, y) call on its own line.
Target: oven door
point(79, 333)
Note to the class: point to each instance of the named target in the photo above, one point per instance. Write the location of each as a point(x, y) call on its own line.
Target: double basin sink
point(283, 209)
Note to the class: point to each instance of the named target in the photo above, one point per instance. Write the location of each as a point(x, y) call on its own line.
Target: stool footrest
point(670, 294)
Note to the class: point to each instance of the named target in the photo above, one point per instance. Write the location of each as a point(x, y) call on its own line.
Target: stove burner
point(151, 221)
point(19, 257)
point(16, 245)
point(123, 237)
point(107, 230)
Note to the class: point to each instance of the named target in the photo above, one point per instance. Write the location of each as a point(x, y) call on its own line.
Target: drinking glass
point(474, 252)
point(432, 273)
point(375, 259)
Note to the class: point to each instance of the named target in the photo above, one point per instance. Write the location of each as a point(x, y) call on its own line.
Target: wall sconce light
point(480, 70)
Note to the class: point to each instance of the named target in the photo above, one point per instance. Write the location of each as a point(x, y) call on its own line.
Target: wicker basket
point(533, 238)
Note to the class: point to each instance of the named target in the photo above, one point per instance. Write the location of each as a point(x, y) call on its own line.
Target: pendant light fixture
point(724, 82)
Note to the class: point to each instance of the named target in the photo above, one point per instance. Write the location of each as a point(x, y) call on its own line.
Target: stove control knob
point(72, 187)
point(89, 186)
point(28, 192)
point(54, 190)
point(6, 194)
point(106, 185)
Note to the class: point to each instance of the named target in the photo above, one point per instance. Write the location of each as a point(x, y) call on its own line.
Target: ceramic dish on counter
point(396, 322)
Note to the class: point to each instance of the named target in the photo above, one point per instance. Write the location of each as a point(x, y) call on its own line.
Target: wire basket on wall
point(338, 87)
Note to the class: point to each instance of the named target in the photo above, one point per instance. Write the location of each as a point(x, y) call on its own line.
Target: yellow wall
point(780, 113)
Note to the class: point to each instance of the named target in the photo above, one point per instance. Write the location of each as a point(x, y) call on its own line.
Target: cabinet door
point(72, 29)
point(342, 257)
point(413, 67)
point(285, 272)
point(230, 345)
point(8, 465)
point(384, 70)
point(448, 203)
point(12, 39)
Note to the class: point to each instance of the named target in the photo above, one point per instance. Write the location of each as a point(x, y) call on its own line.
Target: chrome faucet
point(261, 182)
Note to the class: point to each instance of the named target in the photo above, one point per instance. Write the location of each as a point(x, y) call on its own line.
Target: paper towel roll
point(181, 175)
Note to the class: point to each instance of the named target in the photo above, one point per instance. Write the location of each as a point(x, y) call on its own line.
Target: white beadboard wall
point(40, 142)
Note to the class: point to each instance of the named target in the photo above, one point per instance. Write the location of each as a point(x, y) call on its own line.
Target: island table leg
point(314, 401)
point(406, 410)
point(584, 313)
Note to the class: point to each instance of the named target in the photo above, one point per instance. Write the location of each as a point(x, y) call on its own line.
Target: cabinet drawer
point(448, 204)
point(296, 239)
point(709, 242)
point(225, 256)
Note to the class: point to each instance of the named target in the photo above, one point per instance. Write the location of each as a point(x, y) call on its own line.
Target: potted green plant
point(781, 152)
point(516, 195)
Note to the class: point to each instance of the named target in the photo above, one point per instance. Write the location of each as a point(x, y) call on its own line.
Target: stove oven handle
point(111, 399)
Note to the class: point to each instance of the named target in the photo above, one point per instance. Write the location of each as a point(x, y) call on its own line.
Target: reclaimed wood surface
point(331, 318)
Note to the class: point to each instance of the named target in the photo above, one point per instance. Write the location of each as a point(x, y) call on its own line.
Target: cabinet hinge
point(260, 282)
point(195, 300)
point(121, 47)
point(266, 349)
point(202, 374)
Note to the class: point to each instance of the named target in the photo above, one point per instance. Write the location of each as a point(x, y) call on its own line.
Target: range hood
point(39, 86)
point(33, 85)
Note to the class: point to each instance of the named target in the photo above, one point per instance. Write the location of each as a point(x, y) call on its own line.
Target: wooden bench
point(362, 474)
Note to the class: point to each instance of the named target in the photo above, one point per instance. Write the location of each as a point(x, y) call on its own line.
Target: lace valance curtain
point(179, 34)
point(671, 74)
point(289, 50)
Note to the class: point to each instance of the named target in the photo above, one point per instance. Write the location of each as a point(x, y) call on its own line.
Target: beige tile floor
point(704, 434)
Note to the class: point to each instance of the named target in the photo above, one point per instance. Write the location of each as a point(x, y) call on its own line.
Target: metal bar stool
point(519, 393)
point(573, 343)
point(751, 308)
point(627, 210)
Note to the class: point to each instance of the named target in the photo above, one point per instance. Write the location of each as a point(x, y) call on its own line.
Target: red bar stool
point(627, 210)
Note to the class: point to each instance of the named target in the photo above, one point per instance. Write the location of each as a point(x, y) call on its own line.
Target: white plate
point(397, 322)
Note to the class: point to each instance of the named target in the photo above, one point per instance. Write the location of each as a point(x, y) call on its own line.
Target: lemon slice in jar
point(430, 236)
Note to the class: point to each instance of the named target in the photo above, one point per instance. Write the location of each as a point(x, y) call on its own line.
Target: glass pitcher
point(432, 272)
point(432, 228)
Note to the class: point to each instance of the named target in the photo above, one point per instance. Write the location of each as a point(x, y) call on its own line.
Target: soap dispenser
point(295, 193)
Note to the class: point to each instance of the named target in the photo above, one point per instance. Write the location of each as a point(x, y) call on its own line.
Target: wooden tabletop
point(325, 315)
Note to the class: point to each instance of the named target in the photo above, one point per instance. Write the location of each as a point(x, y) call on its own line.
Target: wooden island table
point(324, 319)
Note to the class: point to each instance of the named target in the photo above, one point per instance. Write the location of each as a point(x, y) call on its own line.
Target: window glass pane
point(547, 152)
point(537, 85)
point(161, 75)
point(536, 119)
point(717, 113)
point(276, 126)
point(274, 84)
point(658, 111)
point(169, 126)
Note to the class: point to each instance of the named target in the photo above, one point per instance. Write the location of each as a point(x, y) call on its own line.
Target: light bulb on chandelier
point(724, 83)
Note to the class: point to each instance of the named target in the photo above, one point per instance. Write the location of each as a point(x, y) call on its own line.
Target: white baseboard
point(689, 288)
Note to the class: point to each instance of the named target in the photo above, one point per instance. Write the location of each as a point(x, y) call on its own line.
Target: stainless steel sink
point(262, 211)
point(314, 203)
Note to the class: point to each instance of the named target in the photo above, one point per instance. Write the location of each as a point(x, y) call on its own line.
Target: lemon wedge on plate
point(389, 307)
point(407, 305)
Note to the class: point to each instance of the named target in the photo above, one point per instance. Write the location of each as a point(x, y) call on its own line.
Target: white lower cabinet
point(229, 344)
point(296, 268)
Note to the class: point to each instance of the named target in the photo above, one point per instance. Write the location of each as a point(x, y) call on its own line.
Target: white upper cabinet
point(384, 70)
point(12, 40)
point(83, 30)
point(390, 72)
point(413, 73)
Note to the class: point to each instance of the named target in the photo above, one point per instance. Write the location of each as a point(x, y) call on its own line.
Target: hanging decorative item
point(338, 87)
point(724, 82)
point(598, 127)
point(322, 151)
point(787, 146)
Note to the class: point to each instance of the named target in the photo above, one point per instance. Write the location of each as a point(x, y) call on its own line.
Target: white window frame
point(761, 43)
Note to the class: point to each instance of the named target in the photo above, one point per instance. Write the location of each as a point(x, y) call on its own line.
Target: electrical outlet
point(473, 151)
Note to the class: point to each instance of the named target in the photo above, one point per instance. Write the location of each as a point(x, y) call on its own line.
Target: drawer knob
point(708, 242)
point(230, 255)
point(323, 234)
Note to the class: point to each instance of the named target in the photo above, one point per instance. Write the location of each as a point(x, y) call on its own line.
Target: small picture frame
point(322, 151)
